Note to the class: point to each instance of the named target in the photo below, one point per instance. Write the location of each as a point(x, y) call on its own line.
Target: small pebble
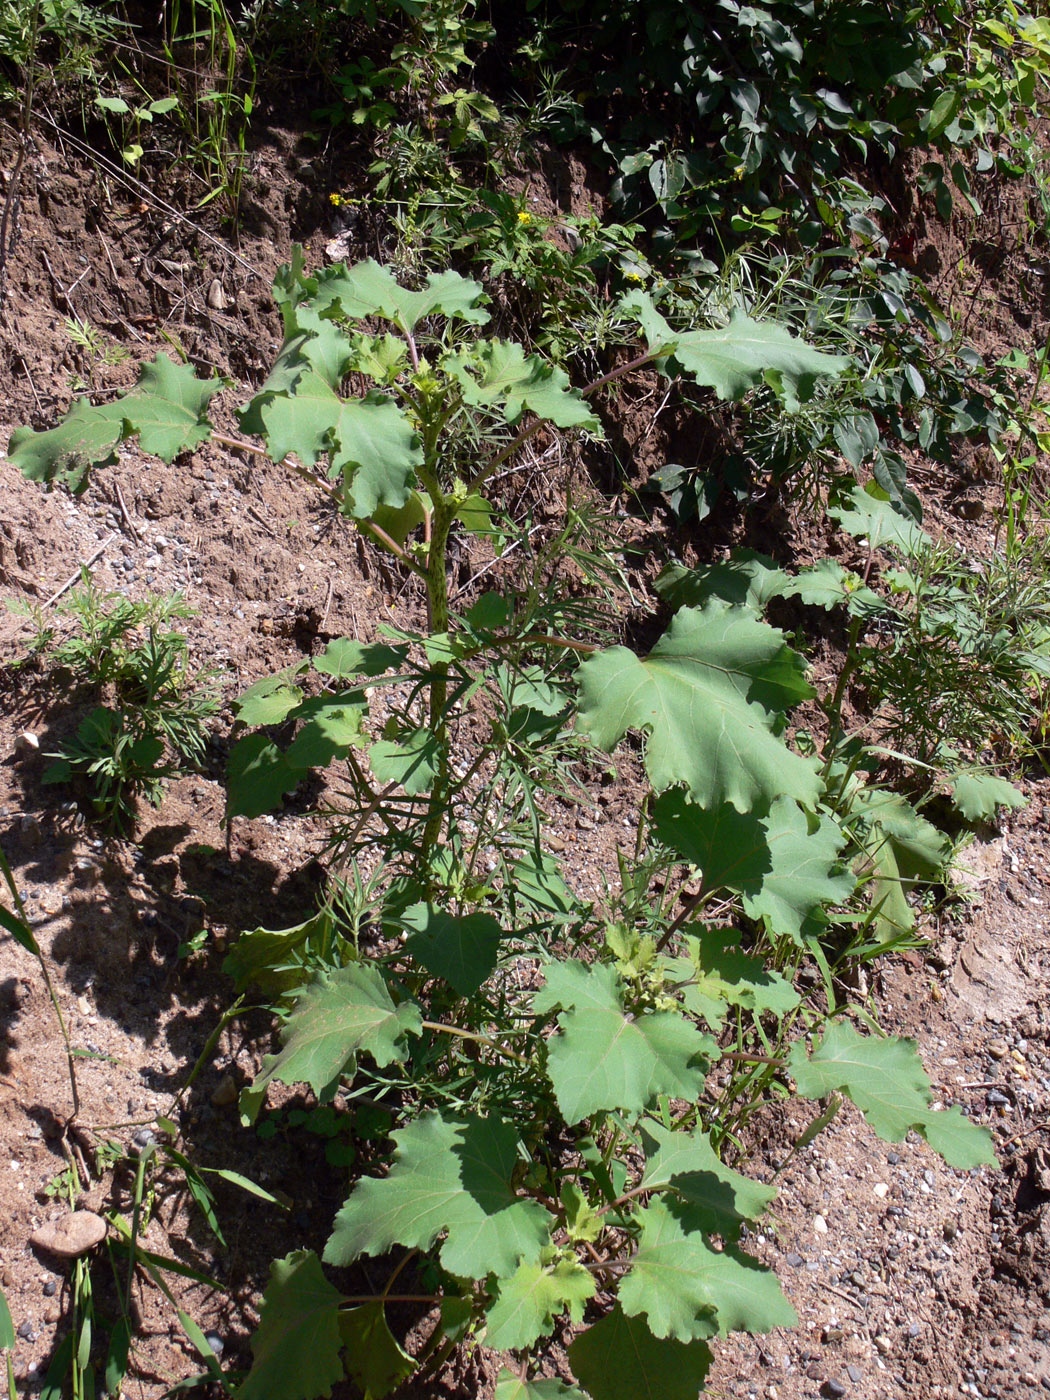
point(833, 1389)
point(881, 1190)
point(225, 1092)
point(215, 1342)
point(820, 1225)
point(854, 1373)
point(883, 1344)
point(50, 1288)
point(795, 1260)
point(25, 1330)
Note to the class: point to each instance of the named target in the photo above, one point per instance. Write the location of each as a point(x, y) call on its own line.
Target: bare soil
point(911, 1279)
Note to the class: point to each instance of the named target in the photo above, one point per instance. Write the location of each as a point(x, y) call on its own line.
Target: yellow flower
point(634, 276)
point(524, 217)
point(335, 199)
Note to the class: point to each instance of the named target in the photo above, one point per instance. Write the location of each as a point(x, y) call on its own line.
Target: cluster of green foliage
point(153, 725)
point(564, 1076)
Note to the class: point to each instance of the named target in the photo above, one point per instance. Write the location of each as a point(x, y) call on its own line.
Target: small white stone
point(881, 1190)
point(27, 743)
point(820, 1225)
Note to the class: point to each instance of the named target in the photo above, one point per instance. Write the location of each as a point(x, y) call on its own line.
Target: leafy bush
point(154, 724)
point(566, 1077)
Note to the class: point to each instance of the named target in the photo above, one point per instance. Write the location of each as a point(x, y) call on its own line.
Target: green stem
point(438, 622)
point(834, 708)
point(444, 1029)
point(136, 1212)
point(206, 1054)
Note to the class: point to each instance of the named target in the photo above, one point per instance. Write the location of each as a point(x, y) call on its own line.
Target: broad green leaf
point(475, 515)
point(893, 915)
point(271, 700)
point(736, 358)
point(373, 1357)
point(978, 796)
point(883, 1077)
point(87, 437)
point(297, 1344)
point(512, 1387)
point(856, 436)
point(377, 450)
point(411, 761)
point(603, 1059)
point(268, 957)
point(345, 658)
point(825, 584)
point(620, 1359)
point(368, 289)
point(716, 975)
point(499, 374)
point(784, 864)
point(453, 1176)
point(456, 1316)
point(961, 1143)
point(309, 343)
point(903, 848)
point(331, 728)
point(571, 984)
point(887, 1082)
point(747, 579)
point(707, 696)
point(539, 887)
point(535, 1294)
point(806, 872)
point(370, 440)
point(920, 848)
point(340, 1014)
point(490, 611)
point(400, 523)
point(167, 409)
point(463, 950)
point(877, 519)
point(688, 1290)
point(257, 777)
point(684, 1164)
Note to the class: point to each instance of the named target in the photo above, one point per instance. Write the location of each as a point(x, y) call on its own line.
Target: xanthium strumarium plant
point(564, 1078)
